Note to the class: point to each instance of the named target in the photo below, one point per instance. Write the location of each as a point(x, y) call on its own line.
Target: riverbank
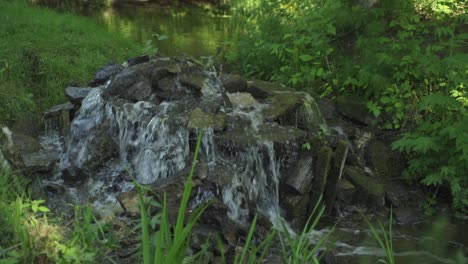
point(42, 52)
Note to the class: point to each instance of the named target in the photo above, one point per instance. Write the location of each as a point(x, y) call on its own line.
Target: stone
point(77, 94)
point(130, 85)
point(296, 207)
point(309, 117)
point(406, 215)
point(370, 188)
point(138, 60)
point(4, 164)
point(105, 73)
point(194, 82)
point(355, 108)
point(301, 178)
point(321, 171)
point(388, 164)
point(200, 119)
point(13, 145)
point(345, 190)
point(339, 159)
point(327, 108)
point(242, 100)
point(38, 162)
point(281, 106)
point(261, 89)
point(58, 110)
point(234, 83)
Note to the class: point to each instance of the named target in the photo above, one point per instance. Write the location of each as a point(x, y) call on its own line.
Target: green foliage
point(397, 55)
point(298, 249)
point(42, 52)
point(438, 147)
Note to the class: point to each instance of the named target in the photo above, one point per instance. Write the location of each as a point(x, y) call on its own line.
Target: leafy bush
point(393, 54)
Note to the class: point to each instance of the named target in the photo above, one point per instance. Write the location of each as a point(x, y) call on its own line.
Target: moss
point(200, 119)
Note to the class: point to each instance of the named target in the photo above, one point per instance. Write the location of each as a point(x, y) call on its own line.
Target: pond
point(187, 30)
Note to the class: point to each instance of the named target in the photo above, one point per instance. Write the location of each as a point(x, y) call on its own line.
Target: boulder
point(345, 190)
point(302, 177)
point(194, 81)
point(105, 73)
point(371, 190)
point(58, 110)
point(138, 60)
point(339, 159)
point(234, 83)
point(321, 172)
point(406, 215)
point(355, 108)
point(200, 119)
point(130, 85)
point(281, 106)
point(77, 94)
point(261, 89)
point(242, 100)
point(38, 162)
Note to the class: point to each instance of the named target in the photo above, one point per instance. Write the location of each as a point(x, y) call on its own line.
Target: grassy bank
point(42, 52)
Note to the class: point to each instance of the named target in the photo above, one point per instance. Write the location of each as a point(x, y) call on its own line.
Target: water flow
point(148, 143)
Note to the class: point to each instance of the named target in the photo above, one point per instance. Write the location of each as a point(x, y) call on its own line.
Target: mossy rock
point(354, 107)
point(281, 105)
point(368, 185)
point(200, 119)
point(261, 89)
point(387, 163)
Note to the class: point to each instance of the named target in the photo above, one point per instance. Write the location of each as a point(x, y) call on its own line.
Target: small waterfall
point(258, 182)
point(147, 142)
point(84, 128)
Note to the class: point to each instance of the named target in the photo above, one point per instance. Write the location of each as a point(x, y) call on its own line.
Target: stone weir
point(265, 147)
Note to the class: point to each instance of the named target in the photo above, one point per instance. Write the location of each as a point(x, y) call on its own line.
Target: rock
point(14, 145)
point(327, 108)
point(242, 100)
point(327, 257)
point(129, 202)
point(157, 74)
point(387, 163)
point(345, 190)
point(38, 162)
point(194, 82)
point(58, 110)
point(309, 117)
point(339, 159)
point(296, 207)
point(406, 215)
point(168, 89)
point(282, 106)
point(321, 171)
point(267, 132)
point(370, 188)
point(355, 108)
point(105, 73)
point(77, 94)
point(234, 83)
point(301, 178)
point(130, 85)
point(212, 105)
point(138, 60)
point(106, 209)
point(4, 164)
point(261, 89)
point(200, 119)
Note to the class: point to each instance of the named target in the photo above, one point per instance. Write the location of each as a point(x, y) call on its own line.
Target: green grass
point(42, 52)
point(384, 238)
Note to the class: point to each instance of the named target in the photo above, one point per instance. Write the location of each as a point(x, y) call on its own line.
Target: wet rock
point(4, 164)
point(200, 119)
point(281, 106)
point(309, 117)
point(261, 89)
point(38, 162)
point(267, 132)
point(339, 159)
point(105, 73)
point(406, 215)
point(387, 163)
point(194, 82)
point(296, 207)
point(77, 94)
point(138, 60)
point(355, 108)
point(301, 179)
point(157, 74)
point(242, 100)
point(13, 145)
point(211, 106)
point(345, 190)
point(107, 208)
point(234, 83)
point(58, 110)
point(399, 195)
point(371, 189)
point(322, 169)
point(129, 202)
point(327, 257)
point(130, 85)
point(327, 108)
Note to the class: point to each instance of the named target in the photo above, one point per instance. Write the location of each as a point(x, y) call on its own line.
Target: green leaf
point(306, 57)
